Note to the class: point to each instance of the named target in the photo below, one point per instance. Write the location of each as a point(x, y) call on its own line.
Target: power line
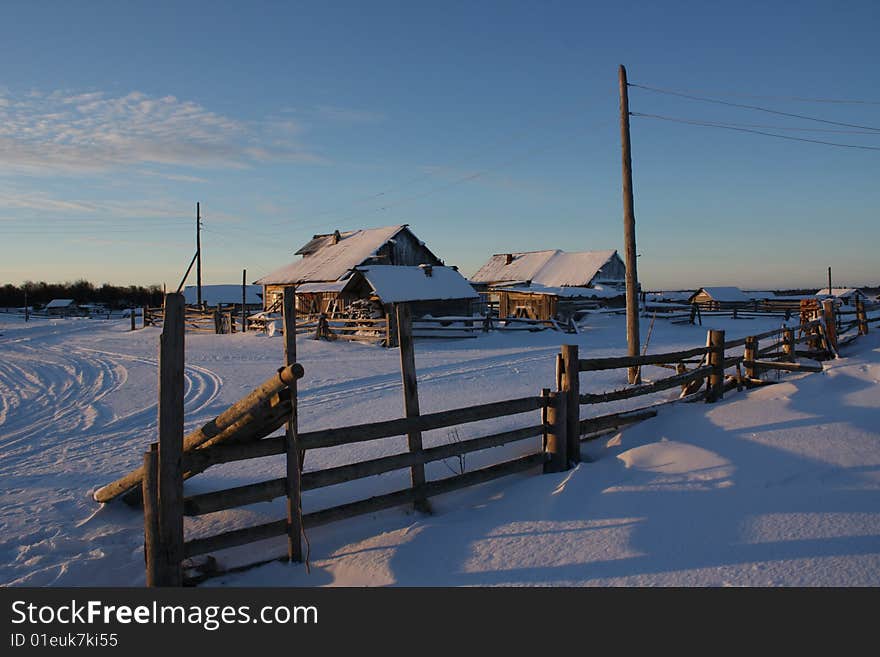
point(764, 125)
point(799, 99)
point(753, 107)
point(710, 124)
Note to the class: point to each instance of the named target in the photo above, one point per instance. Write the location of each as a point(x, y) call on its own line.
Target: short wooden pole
point(556, 442)
point(133, 315)
point(171, 391)
point(571, 390)
point(294, 456)
point(244, 300)
point(750, 355)
point(716, 361)
point(830, 325)
point(151, 514)
point(788, 344)
point(861, 317)
point(410, 397)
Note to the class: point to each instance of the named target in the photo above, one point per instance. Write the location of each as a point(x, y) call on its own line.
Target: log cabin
point(551, 284)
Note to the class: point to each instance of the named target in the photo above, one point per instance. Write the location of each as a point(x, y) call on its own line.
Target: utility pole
point(243, 300)
point(199, 253)
point(829, 282)
point(629, 233)
point(27, 314)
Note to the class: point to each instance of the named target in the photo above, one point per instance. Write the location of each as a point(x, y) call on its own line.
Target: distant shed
point(428, 289)
point(847, 295)
point(62, 308)
point(720, 298)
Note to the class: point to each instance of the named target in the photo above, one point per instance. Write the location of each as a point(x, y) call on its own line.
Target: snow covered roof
point(60, 303)
point(217, 294)
point(311, 288)
point(571, 292)
point(839, 292)
point(554, 268)
point(395, 284)
point(330, 260)
point(723, 293)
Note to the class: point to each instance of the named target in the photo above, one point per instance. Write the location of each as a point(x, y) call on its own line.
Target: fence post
point(830, 325)
point(132, 319)
point(171, 390)
point(571, 389)
point(716, 361)
point(294, 456)
point(788, 344)
point(149, 486)
point(555, 441)
point(750, 355)
point(411, 398)
point(861, 317)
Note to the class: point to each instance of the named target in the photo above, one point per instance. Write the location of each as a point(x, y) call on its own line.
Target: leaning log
point(255, 405)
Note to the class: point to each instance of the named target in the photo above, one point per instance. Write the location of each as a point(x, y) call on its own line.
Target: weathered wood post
point(171, 390)
point(411, 399)
point(243, 300)
point(830, 325)
point(716, 361)
point(788, 345)
point(150, 489)
point(571, 390)
point(555, 441)
point(750, 355)
point(132, 319)
point(861, 317)
point(294, 456)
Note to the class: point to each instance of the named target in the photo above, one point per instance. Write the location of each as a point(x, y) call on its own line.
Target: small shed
point(559, 303)
point(720, 298)
point(428, 289)
point(62, 308)
point(847, 295)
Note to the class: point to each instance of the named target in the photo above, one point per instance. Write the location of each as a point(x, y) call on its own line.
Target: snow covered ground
point(777, 486)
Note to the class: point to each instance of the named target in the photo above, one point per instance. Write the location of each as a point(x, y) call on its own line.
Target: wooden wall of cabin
point(404, 250)
point(533, 306)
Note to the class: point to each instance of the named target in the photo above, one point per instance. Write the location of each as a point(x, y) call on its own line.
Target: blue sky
point(487, 126)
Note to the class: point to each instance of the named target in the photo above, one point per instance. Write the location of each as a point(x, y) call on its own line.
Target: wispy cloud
point(62, 132)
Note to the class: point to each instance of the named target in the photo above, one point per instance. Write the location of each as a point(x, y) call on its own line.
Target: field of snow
point(777, 486)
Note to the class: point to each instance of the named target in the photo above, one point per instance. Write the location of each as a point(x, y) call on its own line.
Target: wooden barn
point(428, 289)
point(551, 284)
point(324, 278)
point(720, 298)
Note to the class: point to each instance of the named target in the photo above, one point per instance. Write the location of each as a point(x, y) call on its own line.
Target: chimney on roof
point(508, 258)
point(336, 236)
point(428, 269)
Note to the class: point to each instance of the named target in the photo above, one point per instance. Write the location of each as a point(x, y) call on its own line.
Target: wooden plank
point(234, 538)
point(431, 488)
point(716, 363)
point(426, 422)
point(410, 397)
point(596, 364)
point(613, 420)
point(344, 473)
point(572, 390)
point(646, 389)
point(787, 367)
point(170, 420)
point(152, 541)
point(556, 439)
point(292, 449)
point(202, 459)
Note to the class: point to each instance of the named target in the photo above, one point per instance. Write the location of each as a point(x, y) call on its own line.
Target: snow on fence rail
point(243, 432)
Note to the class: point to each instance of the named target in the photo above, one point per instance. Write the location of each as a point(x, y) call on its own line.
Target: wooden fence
point(196, 319)
point(243, 432)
